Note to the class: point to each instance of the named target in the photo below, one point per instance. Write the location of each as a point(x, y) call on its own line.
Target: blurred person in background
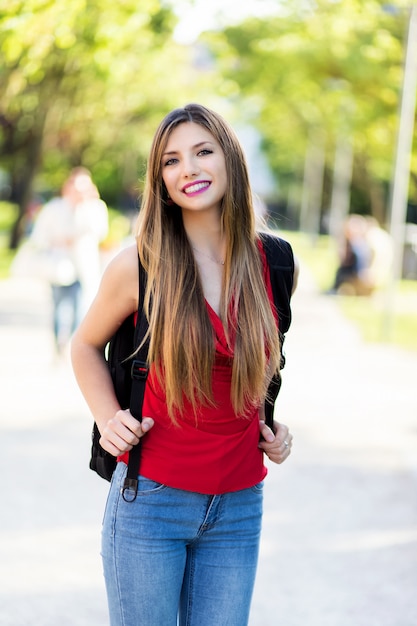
point(354, 259)
point(382, 253)
point(67, 233)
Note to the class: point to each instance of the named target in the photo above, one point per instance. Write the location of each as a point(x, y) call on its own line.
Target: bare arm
point(116, 299)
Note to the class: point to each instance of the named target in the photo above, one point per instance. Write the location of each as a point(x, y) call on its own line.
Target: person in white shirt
point(67, 232)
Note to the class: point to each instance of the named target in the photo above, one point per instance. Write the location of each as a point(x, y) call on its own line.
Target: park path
point(339, 545)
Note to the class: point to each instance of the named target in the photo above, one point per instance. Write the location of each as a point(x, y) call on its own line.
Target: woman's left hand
point(277, 447)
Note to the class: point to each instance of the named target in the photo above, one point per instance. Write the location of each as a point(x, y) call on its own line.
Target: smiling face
point(194, 168)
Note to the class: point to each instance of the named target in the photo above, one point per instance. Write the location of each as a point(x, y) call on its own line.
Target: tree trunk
point(22, 185)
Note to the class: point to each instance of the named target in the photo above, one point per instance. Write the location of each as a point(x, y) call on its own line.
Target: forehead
point(187, 135)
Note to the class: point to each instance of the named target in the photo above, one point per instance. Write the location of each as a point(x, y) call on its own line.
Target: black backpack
point(129, 373)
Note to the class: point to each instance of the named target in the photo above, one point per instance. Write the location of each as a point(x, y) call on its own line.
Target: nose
point(190, 166)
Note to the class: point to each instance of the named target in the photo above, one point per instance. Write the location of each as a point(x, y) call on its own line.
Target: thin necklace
point(208, 256)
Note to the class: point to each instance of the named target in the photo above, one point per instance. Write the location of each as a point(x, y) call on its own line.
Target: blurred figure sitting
point(382, 252)
point(352, 275)
point(67, 233)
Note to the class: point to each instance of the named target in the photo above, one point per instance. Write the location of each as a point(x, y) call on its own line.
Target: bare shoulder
point(116, 299)
point(120, 284)
point(125, 261)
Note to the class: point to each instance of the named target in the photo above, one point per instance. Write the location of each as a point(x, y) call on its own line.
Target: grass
point(6, 256)
point(7, 216)
point(384, 317)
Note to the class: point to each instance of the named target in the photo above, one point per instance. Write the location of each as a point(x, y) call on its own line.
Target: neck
point(205, 233)
point(208, 245)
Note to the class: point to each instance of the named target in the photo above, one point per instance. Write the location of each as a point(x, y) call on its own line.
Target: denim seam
point(190, 588)
point(216, 501)
point(115, 559)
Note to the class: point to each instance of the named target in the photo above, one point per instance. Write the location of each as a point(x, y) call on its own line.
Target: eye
point(205, 151)
point(170, 161)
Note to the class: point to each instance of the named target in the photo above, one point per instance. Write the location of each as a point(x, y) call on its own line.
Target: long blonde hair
point(181, 335)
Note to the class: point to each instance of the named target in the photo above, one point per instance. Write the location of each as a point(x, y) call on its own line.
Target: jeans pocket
point(147, 486)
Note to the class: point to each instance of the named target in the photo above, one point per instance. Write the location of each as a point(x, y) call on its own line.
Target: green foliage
point(332, 69)
point(120, 228)
point(8, 214)
point(86, 82)
point(6, 256)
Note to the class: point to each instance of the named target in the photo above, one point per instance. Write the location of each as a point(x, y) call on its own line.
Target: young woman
point(186, 548)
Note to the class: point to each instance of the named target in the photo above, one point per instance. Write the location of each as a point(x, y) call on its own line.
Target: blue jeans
point(66, 312)
point(178, 557)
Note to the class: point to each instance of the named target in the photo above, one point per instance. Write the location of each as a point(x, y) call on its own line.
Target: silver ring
point(286, 444)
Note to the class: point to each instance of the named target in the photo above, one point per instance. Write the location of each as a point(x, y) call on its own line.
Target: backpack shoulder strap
point(280, 258)
point(139, 367)
point(139, 374)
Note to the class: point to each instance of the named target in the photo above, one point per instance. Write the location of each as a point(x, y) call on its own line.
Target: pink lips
point(192, 189)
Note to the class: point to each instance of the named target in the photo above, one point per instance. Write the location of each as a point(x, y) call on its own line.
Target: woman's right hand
point(123, 431)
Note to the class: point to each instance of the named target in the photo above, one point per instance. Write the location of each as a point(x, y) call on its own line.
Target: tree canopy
point(87, 81)
point(322, 72)
point(84, 82)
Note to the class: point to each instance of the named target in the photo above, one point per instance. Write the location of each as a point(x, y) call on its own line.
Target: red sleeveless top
point(218, 452)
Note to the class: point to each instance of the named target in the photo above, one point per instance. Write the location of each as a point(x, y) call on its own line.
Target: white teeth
point(196, 187)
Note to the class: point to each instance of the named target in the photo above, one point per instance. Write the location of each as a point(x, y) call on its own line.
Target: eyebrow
point(197, 145)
